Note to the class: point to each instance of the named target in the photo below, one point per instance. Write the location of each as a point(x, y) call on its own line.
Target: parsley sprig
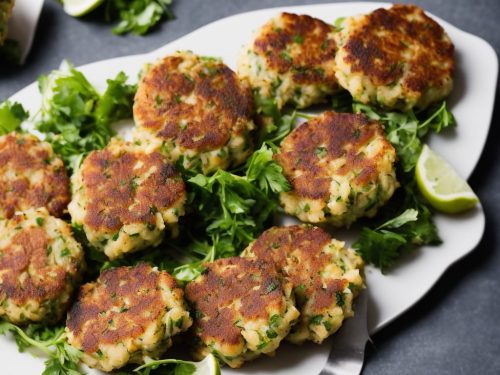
point(75, 117)
point(63, 359)
point(11, 117)
point(137, 16)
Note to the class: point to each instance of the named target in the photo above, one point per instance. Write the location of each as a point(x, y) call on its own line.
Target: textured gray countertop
point(455, 329)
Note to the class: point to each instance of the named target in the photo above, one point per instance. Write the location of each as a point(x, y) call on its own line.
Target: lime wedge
point(77, 8)
point(441, 185)
point(209, 366)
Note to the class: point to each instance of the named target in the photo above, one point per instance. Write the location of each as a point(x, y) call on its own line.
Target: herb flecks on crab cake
point(291, 60)
point(325, 276)
point(340, 167)
point(124, 198)
point(40, 265)
point(197, 109)
point(242, 310)
point(127, 315)
point(397, 58)
point(31, 176)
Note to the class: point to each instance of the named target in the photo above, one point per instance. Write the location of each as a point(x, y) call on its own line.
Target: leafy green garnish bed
point(227, 210)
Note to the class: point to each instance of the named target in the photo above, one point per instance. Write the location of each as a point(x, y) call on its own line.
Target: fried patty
point(397, 57)
point(40, 265)
point(5, 14)
point(126, 315)
point(291, 60)
point(124, 197)
point(242, 309)
point(195, 108)
point(31, 176)
point(324, 274)
point(340, 166)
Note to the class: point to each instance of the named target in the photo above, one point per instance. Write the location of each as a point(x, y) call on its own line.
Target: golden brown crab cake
point(397, 58)
point(40, 265)
point(291, 60)
point(123, 198)
point(5, 13)
point(31, 176)
point(242, 310)
point(325, 276)
point(195, 108)
point(127, 315)
point(340, 166)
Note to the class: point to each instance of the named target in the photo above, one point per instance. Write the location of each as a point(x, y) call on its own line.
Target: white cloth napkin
point(22, 24)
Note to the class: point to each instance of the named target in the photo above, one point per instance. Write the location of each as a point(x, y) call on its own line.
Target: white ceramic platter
point(390, 295)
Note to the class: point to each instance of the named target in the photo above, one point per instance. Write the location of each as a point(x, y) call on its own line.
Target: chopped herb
point(40, 221)
point(321, 151)
point(328, 325)
point(339, 297)
point(271, 287)
point(271, 333)
point(316, 320)
point(299, 39)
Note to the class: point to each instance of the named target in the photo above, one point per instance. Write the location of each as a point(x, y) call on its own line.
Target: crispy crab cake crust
point(397, 57)
point(123, 198)
point(126, 315)
point(31, 176)
point(291, 60)
point(324, 274)
point(340, 166)
point(40, 265)
point(242, 310)
point(197, 108)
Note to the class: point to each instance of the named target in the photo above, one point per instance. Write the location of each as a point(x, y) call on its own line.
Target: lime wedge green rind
point(78, 8)
point(441, 185)
point(209, 366)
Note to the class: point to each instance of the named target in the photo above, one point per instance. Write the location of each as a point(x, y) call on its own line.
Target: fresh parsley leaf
point(408, 224)
point(138, 16)
point(75, 118)
point(408, 215)
point(380, 248)
point(268, 174)
point(63, 358)
point(275, 125)
point(406, 130)
point(11, 116)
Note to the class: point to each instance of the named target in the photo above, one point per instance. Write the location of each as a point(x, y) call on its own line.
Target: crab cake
point(5, 13)
point(324, 274)
point(127, 315)
point(242, 309)
point(40, 265)
point(124, 197)
point(195, 108)
point(340, 166)
point(397, 58)
point(31, 176)
point(291, 60)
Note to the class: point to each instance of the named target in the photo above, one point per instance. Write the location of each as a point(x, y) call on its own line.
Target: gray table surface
point(455, 329)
